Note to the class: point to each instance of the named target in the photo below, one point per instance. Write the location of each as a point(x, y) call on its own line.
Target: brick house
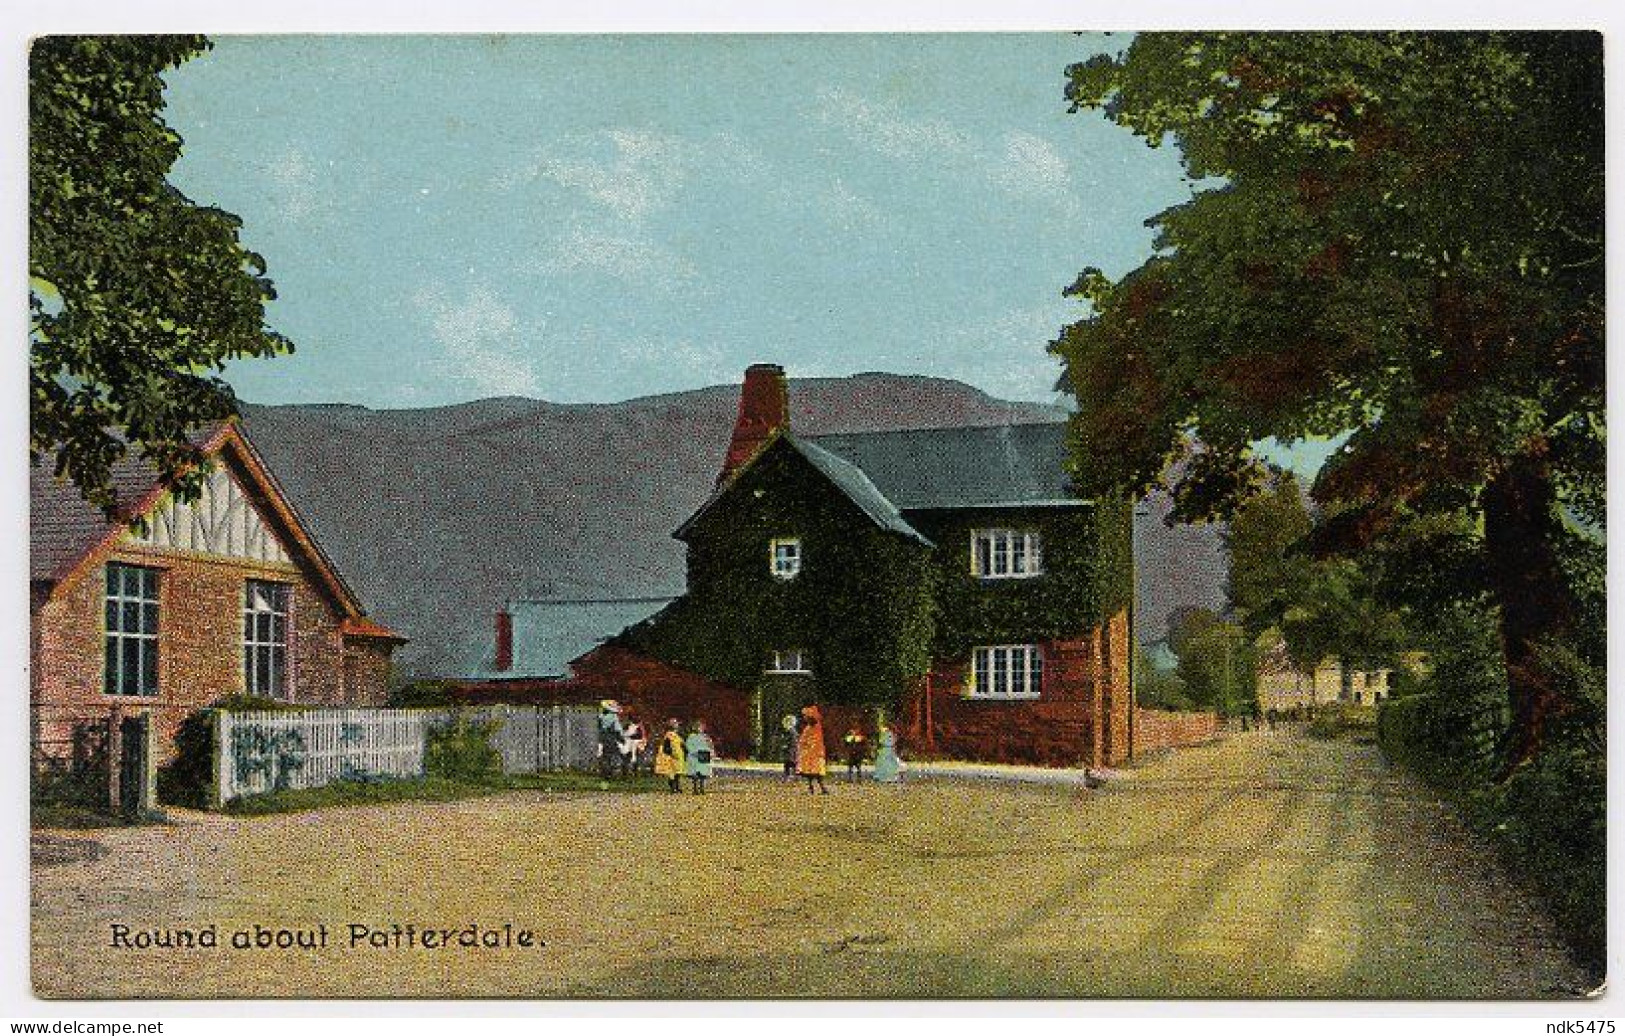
point(948, 576)
point(227, 595)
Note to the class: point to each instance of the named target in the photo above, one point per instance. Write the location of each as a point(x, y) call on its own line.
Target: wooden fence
point(259, 752)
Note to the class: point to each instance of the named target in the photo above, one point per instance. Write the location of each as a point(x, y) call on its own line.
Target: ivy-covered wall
point(860, 607)
point(873, 609)
point(1088, 576)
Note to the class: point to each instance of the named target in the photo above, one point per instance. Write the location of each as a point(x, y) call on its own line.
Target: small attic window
point(784, 557)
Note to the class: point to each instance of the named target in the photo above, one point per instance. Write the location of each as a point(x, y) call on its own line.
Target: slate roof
point(986, 466)
point(858, 487)
point(549, 635)
point(64, 528)
point(888, 473)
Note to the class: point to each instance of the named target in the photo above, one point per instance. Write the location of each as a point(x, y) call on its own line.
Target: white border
point(25, 18)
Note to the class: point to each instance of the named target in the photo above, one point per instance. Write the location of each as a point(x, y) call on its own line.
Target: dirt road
point(1269, 865)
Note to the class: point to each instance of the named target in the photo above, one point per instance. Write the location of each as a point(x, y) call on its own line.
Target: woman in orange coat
point(810, 749)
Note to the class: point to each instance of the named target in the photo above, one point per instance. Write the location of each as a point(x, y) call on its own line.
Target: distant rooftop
point(550, 634)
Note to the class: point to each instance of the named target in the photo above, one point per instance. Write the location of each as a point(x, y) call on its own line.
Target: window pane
point(111, 619)
point(1000, 674)
point(130, 669)
point(110, 680)
point(1037, 670)
point(149, 618)
point(981, 664)
point(149, 666)
point(1018, 554)
point(130, 617)
point(1018, 670)
point(113, 574)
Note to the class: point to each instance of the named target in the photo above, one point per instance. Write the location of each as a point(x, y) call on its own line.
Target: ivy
point(872, 609)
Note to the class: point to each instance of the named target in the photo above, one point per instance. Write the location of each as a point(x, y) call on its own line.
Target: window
point(1006, 553)
point(786, 557)
point(265, 639)
point(1007, 671)
point(793, 660)
point(132, 630)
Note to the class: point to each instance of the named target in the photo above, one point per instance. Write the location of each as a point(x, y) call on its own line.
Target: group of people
point(804, 753)
point(623, 747)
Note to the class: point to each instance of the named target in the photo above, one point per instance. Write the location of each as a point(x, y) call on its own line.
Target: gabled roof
point(67, 535)
point(842, 474)
point(1016, 465)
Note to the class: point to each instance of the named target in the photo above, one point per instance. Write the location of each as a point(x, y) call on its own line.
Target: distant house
point(949, 576)
point(226, 595)
point(539, 639)
point(1281, 685)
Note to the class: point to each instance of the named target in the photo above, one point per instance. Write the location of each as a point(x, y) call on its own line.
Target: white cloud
point(295, 187)
point(479, 342)
point(887, 130)
point(644, 174)
point(694, 362)
point(631, 258)
point(1021, 163)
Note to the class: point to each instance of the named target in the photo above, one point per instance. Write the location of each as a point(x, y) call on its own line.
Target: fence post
point(218, 758)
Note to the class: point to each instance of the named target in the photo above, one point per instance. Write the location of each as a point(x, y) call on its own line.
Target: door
point(132, 782)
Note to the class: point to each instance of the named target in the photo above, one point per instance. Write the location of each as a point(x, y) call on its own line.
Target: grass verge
point(428, 789)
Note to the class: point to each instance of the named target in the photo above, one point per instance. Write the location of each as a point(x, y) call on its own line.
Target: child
point(698, 749)
point(810, 750)
point(855, 752)
point(790, 748)
point(669, 757)
point(887, 765)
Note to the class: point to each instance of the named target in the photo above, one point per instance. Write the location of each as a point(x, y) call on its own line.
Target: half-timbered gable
point(181, 603)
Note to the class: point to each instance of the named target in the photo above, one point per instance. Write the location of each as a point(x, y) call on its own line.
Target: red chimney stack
point(504, 641)
point(764, 408)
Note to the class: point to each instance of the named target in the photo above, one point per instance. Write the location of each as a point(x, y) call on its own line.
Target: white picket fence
point(258, 752)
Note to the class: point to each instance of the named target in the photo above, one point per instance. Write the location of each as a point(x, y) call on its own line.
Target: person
point(790, 747)
point(856, 749)
point(888, 768)
point(634, 739)
point(610, 735)
point(810, 750)
point(698, 750)
point(669, 762)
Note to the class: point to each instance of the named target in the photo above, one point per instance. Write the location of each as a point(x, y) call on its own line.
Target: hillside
point(438, 516)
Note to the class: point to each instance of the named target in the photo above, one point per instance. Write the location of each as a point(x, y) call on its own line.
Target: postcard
point(886, 516)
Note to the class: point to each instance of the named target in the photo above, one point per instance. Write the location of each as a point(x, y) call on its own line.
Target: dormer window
point(785, 557)
point(1006, 553)
point(791, 660)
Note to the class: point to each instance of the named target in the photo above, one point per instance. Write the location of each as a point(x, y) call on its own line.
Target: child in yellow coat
point(669, 761)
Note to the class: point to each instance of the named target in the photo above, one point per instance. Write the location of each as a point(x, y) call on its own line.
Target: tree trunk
point(1520, 527)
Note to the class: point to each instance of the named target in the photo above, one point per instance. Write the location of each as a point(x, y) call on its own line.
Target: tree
point(1397, 236)
point(137, 296)
point(1217, 668)
point(1323, 607)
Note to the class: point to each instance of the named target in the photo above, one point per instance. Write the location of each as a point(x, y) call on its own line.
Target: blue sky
point(590, 218)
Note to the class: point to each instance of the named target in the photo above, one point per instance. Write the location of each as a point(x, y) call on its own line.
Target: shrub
point(421, 694)
point(461, 751)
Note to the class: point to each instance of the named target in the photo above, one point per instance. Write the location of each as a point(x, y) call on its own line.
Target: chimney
point(764, 408)
point(504, 640)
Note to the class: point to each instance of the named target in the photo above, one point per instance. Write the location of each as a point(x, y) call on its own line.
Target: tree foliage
point(1323, 607)
point(1397, 236)
point(1217, 667)
point(137, 295)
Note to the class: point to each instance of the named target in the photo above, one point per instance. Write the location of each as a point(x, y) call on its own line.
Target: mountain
point(437, 517)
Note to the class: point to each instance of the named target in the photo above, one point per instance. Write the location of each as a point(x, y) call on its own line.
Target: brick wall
point(651, 689)
point(1080, 719)
point(1155, 729)
point(199, 649)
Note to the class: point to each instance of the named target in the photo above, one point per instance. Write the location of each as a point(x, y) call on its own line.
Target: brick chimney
point(764, 407)
point(504, 640)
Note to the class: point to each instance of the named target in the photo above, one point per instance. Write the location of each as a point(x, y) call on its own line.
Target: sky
point(593, 218)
